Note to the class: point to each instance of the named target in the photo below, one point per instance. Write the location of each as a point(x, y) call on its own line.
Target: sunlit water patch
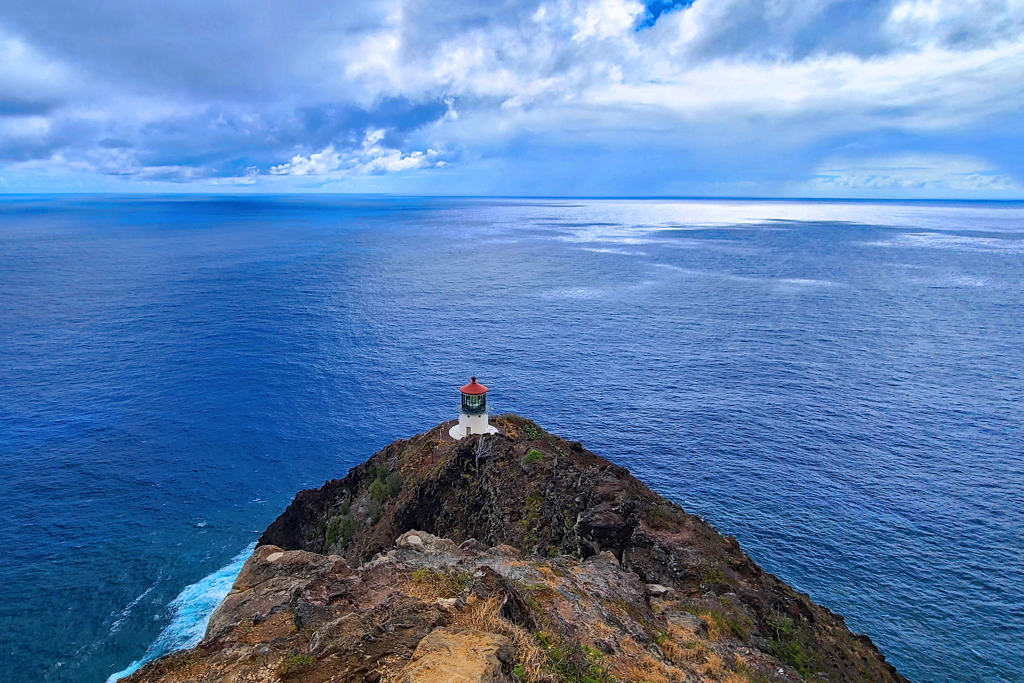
point(931, 240)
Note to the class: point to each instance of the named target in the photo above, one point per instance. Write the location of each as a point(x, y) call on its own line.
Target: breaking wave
point(190, 612)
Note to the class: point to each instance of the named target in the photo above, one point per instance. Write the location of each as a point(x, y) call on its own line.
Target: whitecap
point(961, 280)
point(128, 610)
point(190, 612)
point(575, 293)
point(804, 282)
point(621, 252)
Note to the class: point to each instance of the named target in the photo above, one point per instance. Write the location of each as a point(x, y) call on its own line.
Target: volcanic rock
point(441, 560)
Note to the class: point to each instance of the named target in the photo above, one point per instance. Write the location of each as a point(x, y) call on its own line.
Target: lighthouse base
point(471, 424)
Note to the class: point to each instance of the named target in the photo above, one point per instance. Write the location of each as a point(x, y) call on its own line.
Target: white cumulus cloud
point(606, 18)
point(370, 158)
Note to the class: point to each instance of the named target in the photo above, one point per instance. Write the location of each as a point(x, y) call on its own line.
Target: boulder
point(424, 542)
point(656, 590)
point(268, 562)
point(453, 655)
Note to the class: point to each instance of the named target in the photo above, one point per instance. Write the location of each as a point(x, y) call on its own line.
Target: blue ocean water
point(837, 384)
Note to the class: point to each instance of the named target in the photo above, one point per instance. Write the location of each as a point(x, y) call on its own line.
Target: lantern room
point(474, 398)
point(472, 412)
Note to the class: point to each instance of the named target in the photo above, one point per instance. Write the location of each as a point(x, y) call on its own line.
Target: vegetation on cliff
point(526, 558)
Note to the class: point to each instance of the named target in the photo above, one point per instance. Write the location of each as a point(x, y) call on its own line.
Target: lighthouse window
point(473, 402)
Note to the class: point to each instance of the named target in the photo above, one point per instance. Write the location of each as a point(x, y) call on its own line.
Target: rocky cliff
point(511, 557)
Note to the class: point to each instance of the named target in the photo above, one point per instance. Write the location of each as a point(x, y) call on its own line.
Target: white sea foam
point(576, 293)
point(190, 612)
point(961, 280)
point(804, 282)
point(968, 281)
point(115, 627)
point(932, 240)
point(791, 284)
point(621, 252)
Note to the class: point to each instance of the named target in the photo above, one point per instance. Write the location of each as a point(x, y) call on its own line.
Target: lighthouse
point(472, 412)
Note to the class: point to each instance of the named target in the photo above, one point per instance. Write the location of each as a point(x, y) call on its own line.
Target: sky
point(750, 98)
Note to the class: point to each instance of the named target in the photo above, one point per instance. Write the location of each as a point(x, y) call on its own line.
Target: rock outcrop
point(454, 655)
point(512, 557)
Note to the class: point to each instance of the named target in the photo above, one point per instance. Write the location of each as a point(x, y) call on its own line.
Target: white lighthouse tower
point(473, 412)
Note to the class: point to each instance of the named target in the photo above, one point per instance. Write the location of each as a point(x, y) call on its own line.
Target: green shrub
point(375, 509)
point(394, 483)
point(343, 528)
point(348, 529)
point(789, 643)
point(376, 471)
point(657, 517)
point(794, 653)
point(531, 429)
point(571, 663)
point(378, 491)
point(333, 528)
point(710, 574)
point(533, 456)
point(296, 660)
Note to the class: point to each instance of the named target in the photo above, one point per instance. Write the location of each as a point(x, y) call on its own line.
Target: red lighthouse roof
point(474, 388)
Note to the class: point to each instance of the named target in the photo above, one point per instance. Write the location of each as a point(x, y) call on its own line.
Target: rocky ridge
point(512, 557)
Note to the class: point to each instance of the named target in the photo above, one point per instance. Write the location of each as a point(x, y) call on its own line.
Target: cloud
point(741, 91)
point(320, 163)
point(371, 158)
point(919, 172)
point(30, 83)
point(930, 88)
point(964, 24)
point(607, 18)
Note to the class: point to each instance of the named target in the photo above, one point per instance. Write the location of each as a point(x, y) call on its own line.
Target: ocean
point(838, 384)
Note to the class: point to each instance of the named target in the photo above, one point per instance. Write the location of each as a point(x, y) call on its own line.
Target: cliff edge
point(511, 557)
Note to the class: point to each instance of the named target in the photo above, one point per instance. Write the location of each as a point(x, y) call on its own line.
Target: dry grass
point(639, 672)
point(685, 654)
point(714, 629)
point(481, 615)
point(712, 666)
point(635, 664)
point(509, 431)
point(696, 656)
point(735, 678)
point(599, 630)
point(549, 575)
point(429, 585)
point(485, 615)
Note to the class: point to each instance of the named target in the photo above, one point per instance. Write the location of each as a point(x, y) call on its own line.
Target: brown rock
point(452, 655)
point(268, 562)
point(574, 556)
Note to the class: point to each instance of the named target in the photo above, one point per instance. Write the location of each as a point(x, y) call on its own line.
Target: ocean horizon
point(837, 383)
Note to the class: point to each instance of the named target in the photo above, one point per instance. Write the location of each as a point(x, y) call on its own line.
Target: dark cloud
point(793, 30)
point(25, 108)
point(335, 123)
point(205, 48)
